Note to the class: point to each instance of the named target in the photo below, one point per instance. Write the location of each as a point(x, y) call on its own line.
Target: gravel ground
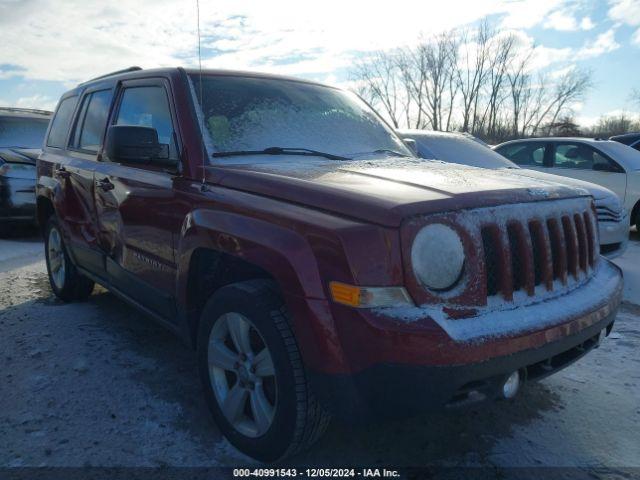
point(97, 383)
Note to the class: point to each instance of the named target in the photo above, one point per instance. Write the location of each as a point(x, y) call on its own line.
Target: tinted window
point(577, 155)
point(93, 116)
point(60, 123)
point(525, 154)
point(148, 107)
point(22, 132)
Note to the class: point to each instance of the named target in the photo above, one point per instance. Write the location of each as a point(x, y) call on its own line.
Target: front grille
point(549, 248)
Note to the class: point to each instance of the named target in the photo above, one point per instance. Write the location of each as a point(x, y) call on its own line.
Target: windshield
point(253, 114)
point(22, 132)
point(460, 149)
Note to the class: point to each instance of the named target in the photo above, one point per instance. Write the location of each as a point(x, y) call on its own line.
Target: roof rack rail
point(26, 110)
point(117, 72)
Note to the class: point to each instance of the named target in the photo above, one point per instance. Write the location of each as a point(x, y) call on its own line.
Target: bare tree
point(477, 81)
point(499, 65)
point(571, 87)
point(378, 82)
point(471, 72)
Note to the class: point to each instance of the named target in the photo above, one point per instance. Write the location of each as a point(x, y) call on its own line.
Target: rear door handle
point(62, 172)
point(105, 184)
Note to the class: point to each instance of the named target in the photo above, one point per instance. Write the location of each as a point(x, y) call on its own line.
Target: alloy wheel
point(242, 374)
point(55, 254)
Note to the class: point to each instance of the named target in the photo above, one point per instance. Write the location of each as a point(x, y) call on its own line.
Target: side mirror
point(133, 144)
point(411, 143)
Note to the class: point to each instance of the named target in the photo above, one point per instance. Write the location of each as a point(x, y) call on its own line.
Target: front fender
point(283, 253)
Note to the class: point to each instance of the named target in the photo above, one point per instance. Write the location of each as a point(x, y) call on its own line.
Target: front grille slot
point(489, 242)
point(590, 238)
point(558, 251)
point(524, 255)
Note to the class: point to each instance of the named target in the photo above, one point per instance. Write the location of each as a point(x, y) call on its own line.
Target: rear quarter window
point(60, 123)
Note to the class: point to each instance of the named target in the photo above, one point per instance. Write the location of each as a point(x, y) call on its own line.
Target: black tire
point(73, 286)
point(298, 419)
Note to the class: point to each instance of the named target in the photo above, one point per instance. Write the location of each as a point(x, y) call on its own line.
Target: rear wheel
point(252, 373)
point(66, 282)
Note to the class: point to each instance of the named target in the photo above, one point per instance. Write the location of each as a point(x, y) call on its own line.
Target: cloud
point(72, 40)
point(42, 102)
point(604, 43)
point(635, 38)
point(586, 23)
point(566, 20)
point(528, 14)
point(625, 11)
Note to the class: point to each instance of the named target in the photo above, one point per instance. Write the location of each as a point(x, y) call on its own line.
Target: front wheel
point(252, 373)
point(66, 282)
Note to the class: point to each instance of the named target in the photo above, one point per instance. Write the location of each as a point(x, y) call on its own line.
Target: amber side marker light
point(369, 297)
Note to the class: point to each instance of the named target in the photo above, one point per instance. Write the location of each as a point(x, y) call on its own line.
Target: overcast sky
point(49, 46)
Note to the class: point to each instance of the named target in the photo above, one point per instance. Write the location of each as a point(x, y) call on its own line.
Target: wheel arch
point(44, 210)
point(217, 248)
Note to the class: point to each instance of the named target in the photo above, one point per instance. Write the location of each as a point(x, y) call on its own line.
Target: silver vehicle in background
point(613, 219)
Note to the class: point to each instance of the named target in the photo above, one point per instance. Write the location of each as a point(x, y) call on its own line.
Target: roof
point(559, 139)
point(25, 112)
point(627, 138)
point(430, 133)
point(137, 72)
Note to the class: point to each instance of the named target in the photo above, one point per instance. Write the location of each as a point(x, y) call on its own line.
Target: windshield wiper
point(395, 153)
point(280, 151)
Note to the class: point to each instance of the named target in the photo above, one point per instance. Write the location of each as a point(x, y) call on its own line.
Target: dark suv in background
point(21, 135)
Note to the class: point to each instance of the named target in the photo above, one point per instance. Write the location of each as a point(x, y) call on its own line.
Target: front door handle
point(62, 172)
point(105, 184)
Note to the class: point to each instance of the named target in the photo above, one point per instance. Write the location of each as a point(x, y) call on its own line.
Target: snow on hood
point(391, 186)
point(597, 191)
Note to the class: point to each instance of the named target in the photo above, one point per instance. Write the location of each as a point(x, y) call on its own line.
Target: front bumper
point(405, 368)
point(614, 237)
point(398, 391)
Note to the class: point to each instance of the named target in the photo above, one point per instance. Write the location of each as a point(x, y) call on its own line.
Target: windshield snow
point(252, 114)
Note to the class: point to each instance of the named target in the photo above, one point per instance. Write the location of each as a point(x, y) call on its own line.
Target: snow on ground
point(630, 265)
point(97, 383)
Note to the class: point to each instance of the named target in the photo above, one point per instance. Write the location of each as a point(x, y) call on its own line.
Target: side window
point(60, 123)
point(526, 154)
point(603, 164)
point(580, 156)
point(92, 121)
point(148, 107)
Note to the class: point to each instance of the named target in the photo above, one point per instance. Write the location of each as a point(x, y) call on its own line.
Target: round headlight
point(437, 256)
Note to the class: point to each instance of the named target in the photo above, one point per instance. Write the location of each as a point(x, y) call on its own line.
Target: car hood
point(598, 192)
point(20, 155)
point(382, 191)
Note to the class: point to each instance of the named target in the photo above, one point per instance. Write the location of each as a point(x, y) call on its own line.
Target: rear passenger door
point(74, 160)
point(136, 205)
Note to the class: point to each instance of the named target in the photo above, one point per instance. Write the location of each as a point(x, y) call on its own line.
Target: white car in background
point(613, 220)
point(610, 164)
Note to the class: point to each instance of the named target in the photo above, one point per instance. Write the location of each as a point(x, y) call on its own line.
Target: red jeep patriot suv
point(282, 229)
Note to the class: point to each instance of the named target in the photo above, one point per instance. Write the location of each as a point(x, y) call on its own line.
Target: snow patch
point(509, 318)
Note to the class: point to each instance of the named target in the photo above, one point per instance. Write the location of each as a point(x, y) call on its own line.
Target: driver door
point(135, 203)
